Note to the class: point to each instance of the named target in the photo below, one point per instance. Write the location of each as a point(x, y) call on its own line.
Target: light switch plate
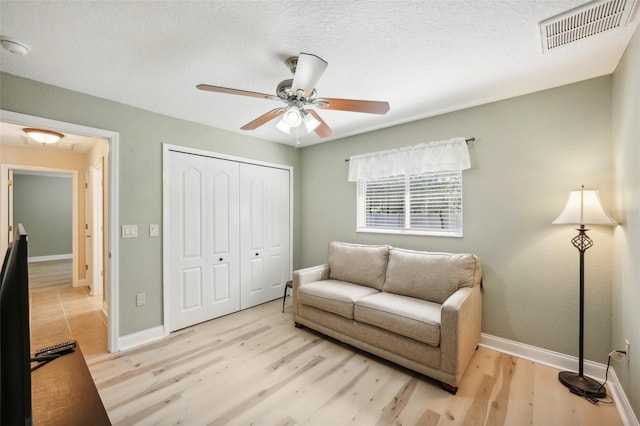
point(129, 231)
point(154, 230)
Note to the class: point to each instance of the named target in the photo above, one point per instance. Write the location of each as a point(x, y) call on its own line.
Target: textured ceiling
point(423, 57)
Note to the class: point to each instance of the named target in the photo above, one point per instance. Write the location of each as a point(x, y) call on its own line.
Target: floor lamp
point(583, 208)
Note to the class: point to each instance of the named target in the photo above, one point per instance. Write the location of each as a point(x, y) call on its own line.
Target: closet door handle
point(257, 254)
point(220, 259)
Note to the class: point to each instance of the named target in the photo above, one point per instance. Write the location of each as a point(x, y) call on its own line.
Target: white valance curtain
point(438, 156)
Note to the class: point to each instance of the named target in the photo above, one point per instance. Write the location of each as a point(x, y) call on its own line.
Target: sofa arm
point(460, 326)
point(307, 275)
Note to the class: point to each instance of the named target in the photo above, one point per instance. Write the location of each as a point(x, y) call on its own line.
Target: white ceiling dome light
point(43, 136)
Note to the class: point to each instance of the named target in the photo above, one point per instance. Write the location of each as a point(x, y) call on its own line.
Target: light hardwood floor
point(255, 368)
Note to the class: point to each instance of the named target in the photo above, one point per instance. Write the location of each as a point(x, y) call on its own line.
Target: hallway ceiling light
point(43, 136)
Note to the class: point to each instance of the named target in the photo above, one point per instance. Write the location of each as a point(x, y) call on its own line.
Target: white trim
point(166, 315)
point(140, 338)
point(50, 257)
point(564, 362)
point(112, 139)
point(187, 150)
point(166, 148)
point(46, 174)
point(625, 410)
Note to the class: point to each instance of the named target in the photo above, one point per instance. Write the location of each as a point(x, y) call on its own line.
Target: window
point(425, 204)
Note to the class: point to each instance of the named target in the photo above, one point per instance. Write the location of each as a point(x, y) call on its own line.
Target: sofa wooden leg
point(297, 325)
point(449, 388)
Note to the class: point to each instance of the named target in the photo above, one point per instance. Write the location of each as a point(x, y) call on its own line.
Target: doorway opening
point(104, 169)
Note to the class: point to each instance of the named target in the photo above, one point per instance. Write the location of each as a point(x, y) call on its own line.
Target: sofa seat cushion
point(333, 296)
point(410, 317)
point(358, 264)
point(428, 275)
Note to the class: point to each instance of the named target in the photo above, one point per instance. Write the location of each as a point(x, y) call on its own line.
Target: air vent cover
point(584, 21)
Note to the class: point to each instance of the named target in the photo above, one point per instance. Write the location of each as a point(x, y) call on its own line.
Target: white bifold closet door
point(228, 236)
point(204, 250)
point(264, 233)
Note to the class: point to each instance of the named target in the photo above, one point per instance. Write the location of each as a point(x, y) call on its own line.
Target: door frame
point(97, 220)
point(166, 149)
point(112, 138)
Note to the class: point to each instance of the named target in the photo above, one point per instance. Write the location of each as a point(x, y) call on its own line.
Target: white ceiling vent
point(584, 21)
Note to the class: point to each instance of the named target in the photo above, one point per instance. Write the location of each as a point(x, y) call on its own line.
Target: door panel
point(222, 237)
point(192, 289)
point(203, 239)
point(264, 195)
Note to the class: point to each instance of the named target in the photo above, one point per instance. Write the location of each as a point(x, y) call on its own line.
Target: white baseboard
point(140, 338)
point(565, 362)
point(50, 257)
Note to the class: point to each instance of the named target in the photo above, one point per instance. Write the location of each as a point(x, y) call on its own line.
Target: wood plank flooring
point(49, 273)
point(255, 368)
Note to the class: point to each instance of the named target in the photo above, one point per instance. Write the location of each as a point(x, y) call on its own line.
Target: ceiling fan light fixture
point(283, 126)
point(310, 122)
point(43, 136)
point(293, 116)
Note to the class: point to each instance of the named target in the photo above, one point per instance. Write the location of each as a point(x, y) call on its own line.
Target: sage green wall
point(43, 204)
point(626, 282)
point(140, 176)
point(530, 151)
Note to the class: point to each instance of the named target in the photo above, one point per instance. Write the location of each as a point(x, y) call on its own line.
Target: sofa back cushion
point(358, 264)
point(430, 276)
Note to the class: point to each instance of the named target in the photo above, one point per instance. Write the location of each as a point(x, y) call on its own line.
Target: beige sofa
point(421, 310)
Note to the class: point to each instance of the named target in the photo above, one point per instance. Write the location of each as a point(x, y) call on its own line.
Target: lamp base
point(580, 385)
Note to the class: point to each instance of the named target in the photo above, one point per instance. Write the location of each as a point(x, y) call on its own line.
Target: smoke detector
point(14, 46)
point(588, 20)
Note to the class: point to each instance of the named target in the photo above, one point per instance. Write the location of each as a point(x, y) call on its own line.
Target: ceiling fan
point(299, 92)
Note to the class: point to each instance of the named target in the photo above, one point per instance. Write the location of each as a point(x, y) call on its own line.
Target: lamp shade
point(310, 122)
point(283, 126)
point(292, 116)
point(584, 208)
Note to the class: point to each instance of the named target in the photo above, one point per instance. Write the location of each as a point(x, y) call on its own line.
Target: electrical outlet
point(141, 299)
point(626, 349)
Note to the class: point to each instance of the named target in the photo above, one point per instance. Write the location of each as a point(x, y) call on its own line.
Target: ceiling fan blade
point(264, 118)
point(229, 91)
point(323, 130)
point(308, 71)
point(371, 107)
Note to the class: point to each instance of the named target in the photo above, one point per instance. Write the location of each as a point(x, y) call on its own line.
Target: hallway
point(60, 312)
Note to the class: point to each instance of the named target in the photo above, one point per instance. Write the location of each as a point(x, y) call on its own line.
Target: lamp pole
point(578, 383)
point(582, 242)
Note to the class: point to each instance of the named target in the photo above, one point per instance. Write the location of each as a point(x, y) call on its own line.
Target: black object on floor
point(288, 285)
